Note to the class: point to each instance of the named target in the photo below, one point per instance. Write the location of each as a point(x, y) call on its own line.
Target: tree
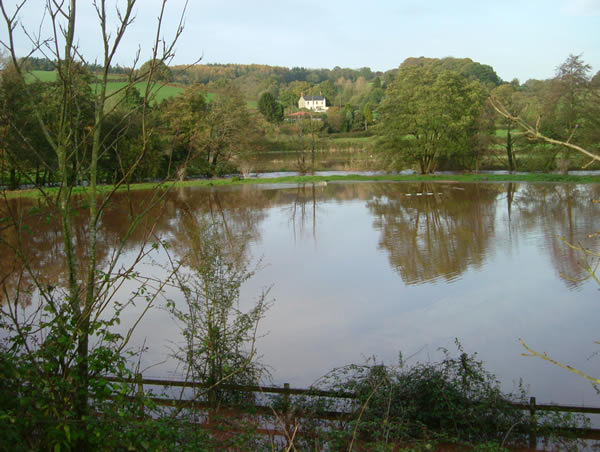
point(367, 115)
point(535, 132)
point(207, 137)
point(590, 259)
point(428, 116)
point(482, 72)
point(508, 95)
point(20, 140)
point(335, 119)
point(157, 67)
point(270, 108)
point(289, 96)
point(219, 339)
point(326, 89)
point(348, 113)
point(572, 84)
point(564, 109)
point(184, 118)
point(58, 356)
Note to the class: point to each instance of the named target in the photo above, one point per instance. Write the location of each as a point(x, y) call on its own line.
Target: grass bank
point(529, 178)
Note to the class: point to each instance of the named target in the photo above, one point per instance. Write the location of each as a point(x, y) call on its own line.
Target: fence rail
point(287, 391)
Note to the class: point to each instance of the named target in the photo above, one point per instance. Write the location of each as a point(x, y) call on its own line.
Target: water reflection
point(428, 230)
point(434, 230)
point(557, 211)
point(363, 268)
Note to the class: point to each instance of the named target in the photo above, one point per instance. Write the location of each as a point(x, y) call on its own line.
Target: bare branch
point(534, 133)
point(545, 357)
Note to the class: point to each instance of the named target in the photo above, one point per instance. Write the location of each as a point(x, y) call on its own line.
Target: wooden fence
point(286, 392)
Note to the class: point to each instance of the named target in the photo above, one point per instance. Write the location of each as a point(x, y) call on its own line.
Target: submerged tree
point(428, 116)
point(562, 112)
point(510, 99)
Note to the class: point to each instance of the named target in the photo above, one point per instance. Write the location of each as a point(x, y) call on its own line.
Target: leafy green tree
point(335, 119)
point(367, 113)
point(348, 113)
point(270, 108)
point(23, 104)
point(572, 85)
point(595, 82)
point(326, 89)
point(376, 95)
point(289, 96)
point(562, 112)
point(125, 124)
point(533, 130)
point(509, 97)
point(428, 116)
point(563, 106)
point(156, 70)
point(208, 137)
point(482, 72)
point(184, 117)
point(22, 145)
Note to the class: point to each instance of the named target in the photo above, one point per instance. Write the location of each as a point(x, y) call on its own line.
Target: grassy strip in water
point(531, 178)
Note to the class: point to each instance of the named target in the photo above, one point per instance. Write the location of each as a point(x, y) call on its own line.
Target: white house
point(314, 103)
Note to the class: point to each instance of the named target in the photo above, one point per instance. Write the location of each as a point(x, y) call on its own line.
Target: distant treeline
point(428, 114)
point(255, 79)
point(45, 64)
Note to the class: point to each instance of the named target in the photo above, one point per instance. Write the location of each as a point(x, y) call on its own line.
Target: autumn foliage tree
point(208, 136)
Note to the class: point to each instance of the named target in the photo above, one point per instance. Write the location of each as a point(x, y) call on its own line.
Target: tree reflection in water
point(429, 230)
point(434, 230)
point(558, 211)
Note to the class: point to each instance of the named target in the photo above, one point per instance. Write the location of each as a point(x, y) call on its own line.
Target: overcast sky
point(518, 38)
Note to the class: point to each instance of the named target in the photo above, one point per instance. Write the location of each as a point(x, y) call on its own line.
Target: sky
point(521, 39)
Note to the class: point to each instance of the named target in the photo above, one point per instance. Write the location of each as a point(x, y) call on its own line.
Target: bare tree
point(58, 340)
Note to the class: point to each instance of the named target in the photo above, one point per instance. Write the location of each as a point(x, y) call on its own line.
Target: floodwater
point(362, 270)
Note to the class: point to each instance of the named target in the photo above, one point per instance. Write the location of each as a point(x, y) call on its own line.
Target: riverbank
point(296, 179)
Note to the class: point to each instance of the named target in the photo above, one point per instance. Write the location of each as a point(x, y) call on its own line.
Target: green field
point(162, 93)
point(362, 140)
point(42, 76)
point(158, 95)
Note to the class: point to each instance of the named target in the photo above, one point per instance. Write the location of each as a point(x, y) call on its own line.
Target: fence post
point(286, 396)
point(140, 392)
point(532, 423)
point(286, 409)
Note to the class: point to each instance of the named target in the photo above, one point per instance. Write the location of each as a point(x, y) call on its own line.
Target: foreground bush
point(455, 400)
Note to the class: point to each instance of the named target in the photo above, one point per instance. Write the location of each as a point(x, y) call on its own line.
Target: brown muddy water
point(358, 270)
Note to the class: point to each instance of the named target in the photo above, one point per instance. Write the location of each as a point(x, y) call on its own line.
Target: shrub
point(455, 399)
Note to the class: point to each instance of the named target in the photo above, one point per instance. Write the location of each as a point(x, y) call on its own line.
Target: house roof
point(298, 114)
point(313, 97)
